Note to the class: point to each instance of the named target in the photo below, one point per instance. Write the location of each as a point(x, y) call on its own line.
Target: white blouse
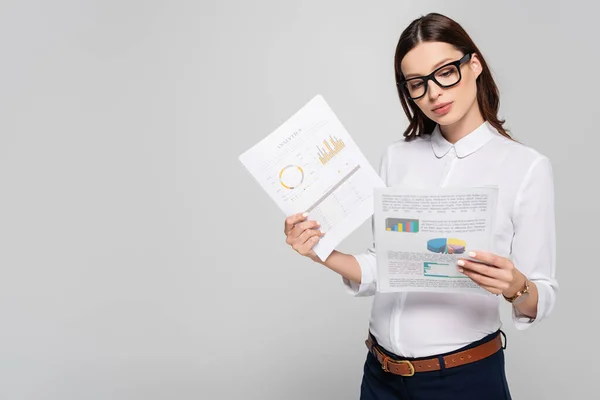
point(418, 324)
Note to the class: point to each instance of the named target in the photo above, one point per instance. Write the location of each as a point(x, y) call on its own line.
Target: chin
point(452, 117)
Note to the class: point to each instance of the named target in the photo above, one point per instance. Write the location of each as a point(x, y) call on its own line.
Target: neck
point(461, 128)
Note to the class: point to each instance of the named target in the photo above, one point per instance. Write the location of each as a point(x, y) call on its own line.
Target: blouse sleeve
point(534, 241)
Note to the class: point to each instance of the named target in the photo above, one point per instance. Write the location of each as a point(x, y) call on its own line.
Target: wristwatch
point(520, 296)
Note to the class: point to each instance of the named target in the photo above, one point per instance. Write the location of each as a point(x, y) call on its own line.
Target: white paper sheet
point(420, 234)
point(311, 164)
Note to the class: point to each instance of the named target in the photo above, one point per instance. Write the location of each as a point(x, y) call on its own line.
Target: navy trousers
point(481, 380)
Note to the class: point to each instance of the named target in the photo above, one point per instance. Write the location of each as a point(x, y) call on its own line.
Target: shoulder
point(522, 156)
point(530, 169)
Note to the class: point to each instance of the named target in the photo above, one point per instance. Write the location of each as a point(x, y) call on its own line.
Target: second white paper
point(420, 234)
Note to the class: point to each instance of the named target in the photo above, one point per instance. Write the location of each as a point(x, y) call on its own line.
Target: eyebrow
point(439, 64)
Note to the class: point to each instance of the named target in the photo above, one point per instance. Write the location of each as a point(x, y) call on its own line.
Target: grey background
point(139, 260)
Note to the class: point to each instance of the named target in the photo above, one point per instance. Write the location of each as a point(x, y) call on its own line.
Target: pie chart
point(446, 246)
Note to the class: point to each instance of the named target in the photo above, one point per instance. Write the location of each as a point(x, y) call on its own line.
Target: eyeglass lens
point(447, 76)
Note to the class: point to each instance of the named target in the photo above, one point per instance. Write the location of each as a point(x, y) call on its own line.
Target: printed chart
point(329, 149)
point(402, 225)
point(446, 246)
point(441, 270)
point(291, 176)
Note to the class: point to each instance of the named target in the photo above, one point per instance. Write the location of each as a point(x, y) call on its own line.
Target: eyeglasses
point(445, 76)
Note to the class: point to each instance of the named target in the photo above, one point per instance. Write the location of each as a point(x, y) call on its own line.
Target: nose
point(433, 90)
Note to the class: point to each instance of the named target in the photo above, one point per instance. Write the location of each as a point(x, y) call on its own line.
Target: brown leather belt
point(409, 367)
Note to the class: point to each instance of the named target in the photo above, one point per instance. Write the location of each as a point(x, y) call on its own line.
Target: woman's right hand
point(302, 235)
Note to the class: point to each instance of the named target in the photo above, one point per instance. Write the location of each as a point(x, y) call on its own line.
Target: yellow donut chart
point(291, 176)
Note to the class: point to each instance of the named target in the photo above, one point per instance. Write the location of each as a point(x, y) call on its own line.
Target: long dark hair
point(436, 27)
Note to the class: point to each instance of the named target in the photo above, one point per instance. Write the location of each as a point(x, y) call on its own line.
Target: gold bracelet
point(520, 296)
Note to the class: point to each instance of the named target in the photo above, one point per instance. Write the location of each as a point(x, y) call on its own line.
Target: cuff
point(368, 284)
point(546, 298)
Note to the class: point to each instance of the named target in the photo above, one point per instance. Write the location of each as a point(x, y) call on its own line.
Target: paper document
point(420, 234)
point(311, 164)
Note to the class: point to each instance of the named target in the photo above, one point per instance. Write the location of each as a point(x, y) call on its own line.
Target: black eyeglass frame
point(431, 76)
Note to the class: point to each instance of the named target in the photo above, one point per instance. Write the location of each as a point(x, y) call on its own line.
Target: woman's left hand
point(497, 275)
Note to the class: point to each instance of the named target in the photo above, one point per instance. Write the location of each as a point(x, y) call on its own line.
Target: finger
point(298, 242)
point(486, 281)
point(307, 234)
point(299, 229)
point(308, 245)
point(293, 220)
point(483, 269)
point(303, 226)
point(490, 258)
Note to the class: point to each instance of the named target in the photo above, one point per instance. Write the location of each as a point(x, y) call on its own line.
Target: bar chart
point(402, 225)
point(329, 149)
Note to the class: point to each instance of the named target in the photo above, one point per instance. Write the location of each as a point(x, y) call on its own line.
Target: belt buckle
point(411, 367)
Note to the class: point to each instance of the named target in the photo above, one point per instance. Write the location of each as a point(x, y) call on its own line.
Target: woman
point(440, 345)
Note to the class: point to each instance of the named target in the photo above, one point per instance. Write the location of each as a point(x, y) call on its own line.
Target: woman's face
point(457, 100)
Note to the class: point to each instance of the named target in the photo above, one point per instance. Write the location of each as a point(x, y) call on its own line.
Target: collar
point(465, 146)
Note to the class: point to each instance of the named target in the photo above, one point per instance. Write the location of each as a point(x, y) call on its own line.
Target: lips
point(442, 109)
point(440, 106)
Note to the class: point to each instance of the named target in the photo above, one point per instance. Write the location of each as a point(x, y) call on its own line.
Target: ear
point(475, 65)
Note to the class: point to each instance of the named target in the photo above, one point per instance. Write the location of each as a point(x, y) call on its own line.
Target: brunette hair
point(436, 27)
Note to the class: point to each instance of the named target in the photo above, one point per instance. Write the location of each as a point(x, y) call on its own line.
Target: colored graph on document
point(441, 270)
point(446, 246)
point(402, 225)
point(329, 149)
point(291, 176)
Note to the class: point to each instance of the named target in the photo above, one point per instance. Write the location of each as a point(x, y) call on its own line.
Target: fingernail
point(461, 263)
point(472, 254)
point(305, 214)
point(318, 223)
point(460, 269)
